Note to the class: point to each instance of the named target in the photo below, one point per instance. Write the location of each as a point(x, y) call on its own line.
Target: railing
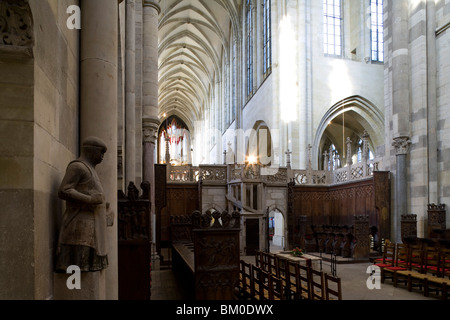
point(236, 173)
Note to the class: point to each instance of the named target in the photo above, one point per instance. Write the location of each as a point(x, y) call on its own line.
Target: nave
point(166, 285)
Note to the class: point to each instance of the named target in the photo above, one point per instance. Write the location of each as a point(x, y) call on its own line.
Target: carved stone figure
point(82, 237)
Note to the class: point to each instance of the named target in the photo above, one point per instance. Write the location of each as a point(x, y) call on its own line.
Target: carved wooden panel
point(436, 219)
point(134, 248)
point(181, 200)
point(338, 205)
point(408, 225)
point(361, 233)
point(216, 263)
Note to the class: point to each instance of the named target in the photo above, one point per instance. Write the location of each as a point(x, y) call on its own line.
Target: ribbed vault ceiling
point(193, 41)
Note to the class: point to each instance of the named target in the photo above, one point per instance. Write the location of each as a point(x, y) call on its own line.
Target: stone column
point(433, 181)
point(150, 120)
point(98, 109)
point(130, 94)
point(401, 145)
point(400, 69)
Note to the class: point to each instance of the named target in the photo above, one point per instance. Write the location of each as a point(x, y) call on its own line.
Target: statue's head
point(93, 149)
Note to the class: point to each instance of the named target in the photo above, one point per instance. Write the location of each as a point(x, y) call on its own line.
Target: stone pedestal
point(92, 286)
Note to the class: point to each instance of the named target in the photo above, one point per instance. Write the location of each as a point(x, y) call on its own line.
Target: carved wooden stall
point(408, 226)
point(206, 253)
point(134, 248)
point(174, 199)
point(322, 214)
point(436, 220)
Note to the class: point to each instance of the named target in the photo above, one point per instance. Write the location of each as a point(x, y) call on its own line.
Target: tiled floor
point(165, 286)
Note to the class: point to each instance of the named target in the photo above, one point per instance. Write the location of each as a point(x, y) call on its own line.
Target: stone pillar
point(130, 94)
point(432, 117)
point(150, 120)
point(98, 109)
point(401, 145)
point(400, 68)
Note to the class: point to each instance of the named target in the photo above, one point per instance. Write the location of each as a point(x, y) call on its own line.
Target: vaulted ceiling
point(194, 39)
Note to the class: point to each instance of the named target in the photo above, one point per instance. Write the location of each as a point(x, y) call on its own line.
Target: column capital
point(153, 4)
point(150, 130)
point(401, 145)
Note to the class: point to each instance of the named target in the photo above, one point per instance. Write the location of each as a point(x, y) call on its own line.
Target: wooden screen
point(339, 204)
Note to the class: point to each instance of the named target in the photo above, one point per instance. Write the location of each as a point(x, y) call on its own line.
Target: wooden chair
point(387, 260)
point(269, 287)
point(304, 282)
point(258, 258)
point(272, 267)
point(333, 287)
point(317, 281)
point(294, 288)
point(415, 272)
point(276, 288)
point(284, 273)
point(264, 285)
point(245, 280)
point(430, 268)
point(280, 265)
point(400, 263)
point(440, 282)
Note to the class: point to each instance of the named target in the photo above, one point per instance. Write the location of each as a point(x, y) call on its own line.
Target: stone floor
point(354, 276)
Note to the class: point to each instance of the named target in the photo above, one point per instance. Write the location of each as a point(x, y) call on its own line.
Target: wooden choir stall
point(347, 219)
point(205, 253)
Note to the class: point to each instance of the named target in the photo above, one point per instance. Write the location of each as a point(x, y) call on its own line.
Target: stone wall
point(40, 126)
point(416, 83)
point(443, 101)
point(295, 98)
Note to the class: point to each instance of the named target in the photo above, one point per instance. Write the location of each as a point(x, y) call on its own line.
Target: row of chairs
point(416, 265)
point(276, 278)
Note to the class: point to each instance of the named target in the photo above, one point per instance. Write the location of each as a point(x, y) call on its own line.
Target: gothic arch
point(361, 115)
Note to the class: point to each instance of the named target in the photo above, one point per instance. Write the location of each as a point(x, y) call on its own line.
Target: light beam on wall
point(288, 72)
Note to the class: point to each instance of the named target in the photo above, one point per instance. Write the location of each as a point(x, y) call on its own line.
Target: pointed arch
point(364, 115)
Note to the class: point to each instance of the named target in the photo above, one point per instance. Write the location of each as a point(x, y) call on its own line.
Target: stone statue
point(82, 237)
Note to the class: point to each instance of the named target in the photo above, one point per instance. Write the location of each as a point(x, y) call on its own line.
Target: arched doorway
point(277, 239)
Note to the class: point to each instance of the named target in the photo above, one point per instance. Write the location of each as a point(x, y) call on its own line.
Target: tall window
point(332, 20)
point(376, 13)
point(267, 36)
point(360, 150)
point(249, 25)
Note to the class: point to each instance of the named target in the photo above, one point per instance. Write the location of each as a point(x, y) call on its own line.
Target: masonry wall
point(41, 131)
point(443, 102)
point(305, 83)
point(422, 112)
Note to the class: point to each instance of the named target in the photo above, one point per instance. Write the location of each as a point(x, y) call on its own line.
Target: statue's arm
point(75, 173)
